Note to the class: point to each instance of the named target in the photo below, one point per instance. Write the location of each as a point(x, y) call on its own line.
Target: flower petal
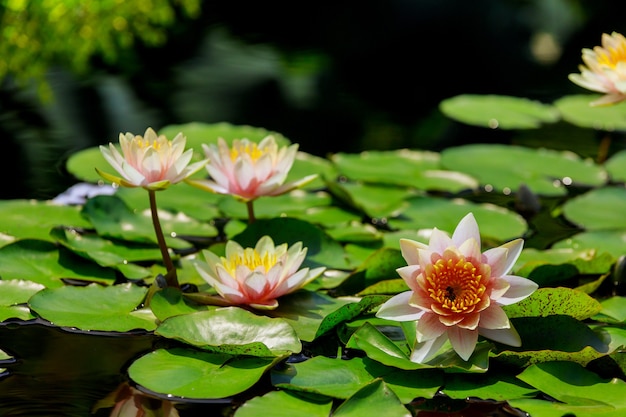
point(466, 229)
point(410, 249)
point(463, 341)
point(429, 327)
point(398, 308)
point(502, 258)
point(424, 351)
point(493, 317)
point(507, 336)
point(520, 289)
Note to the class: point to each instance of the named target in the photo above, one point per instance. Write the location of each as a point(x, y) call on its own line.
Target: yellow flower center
point(249, 148)
point(146, 143)
point(610, 57)
point(455, 284)
point(250, 258)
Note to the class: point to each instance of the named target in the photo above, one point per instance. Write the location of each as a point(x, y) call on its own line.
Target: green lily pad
point(507, 167)
point(104, 252)
point(493, 386)
point(598, 209)
point(14, 292)
point(375, 398)
point(376, 201)
point(321, 249)
point(169, 302)
point(30, 219)
point(94, 307)
point(495, 222)
point(197, 375)
point(293, 204)
point(420, 169)
point(113, 219)
point(600, 241)
point(44, 263)
point(576, 109)
point(286, 404)
point(503, 112)
point(306, 164)
point(232, 330)
point(178, 198)
point(82, 164)
point(552, 301)
point(579, 391)
point(305, 311)
point(614, 308)
point(379, 266)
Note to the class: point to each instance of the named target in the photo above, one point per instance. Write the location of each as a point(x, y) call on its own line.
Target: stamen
point(250, 258)
point(454, 284)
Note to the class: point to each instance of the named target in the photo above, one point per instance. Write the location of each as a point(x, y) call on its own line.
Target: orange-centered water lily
point(456, 291)
point(150, 161)
point(605, 70)
point(248, 170)
point(256, 276)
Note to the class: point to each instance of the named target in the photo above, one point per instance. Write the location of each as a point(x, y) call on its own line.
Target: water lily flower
point(456, 292)
point(256, 276)
point(150, 161)
point(248, 170)
point(128, 401)
point(605, 70)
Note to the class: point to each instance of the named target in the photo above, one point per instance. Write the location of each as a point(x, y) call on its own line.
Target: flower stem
point(170, 277)
point(250, 206)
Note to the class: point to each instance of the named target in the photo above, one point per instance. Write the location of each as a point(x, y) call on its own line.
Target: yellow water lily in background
point(605, 69)
point(149, 161)
point(456, 292)
point(257, 276)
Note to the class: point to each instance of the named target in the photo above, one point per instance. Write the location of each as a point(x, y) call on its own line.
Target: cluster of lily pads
point(93, 266)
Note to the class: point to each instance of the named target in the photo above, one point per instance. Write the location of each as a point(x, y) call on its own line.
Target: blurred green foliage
point(36, 35)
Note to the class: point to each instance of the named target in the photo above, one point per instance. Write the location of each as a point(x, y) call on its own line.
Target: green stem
point(170, 277)
point(250, 206)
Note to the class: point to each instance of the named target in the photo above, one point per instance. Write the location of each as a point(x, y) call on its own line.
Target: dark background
point(341, 76)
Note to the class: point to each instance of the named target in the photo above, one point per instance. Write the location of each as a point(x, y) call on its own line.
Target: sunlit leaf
point(577, 110)
point(552, 301)
point(286, 404)
point(375, 398)
point(232, 330)
point(598, 209)
point(503, 112)
point(507, 167)
point(195, 374)
point(94, 307)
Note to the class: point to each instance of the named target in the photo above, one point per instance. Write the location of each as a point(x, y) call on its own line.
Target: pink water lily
point(150, 161)
point(256, 276)
point(605, 70)
point(456, 292)
point(248, 170)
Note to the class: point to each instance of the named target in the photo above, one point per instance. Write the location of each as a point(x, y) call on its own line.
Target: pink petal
point(429, 327)
point(520, 289)
point(470, 321)
point(470, 249)
point(507, 336)
point(466, 229)
point(398, 308)
point(494, 317)
point(409, 275)
point(499, 287)
point(463, 341)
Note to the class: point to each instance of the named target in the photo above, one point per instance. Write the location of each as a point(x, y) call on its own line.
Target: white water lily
point(150, 161)
point(456, 292)
point(256, 276)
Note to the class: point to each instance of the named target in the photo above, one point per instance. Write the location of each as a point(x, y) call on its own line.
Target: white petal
point(439, 241)
point(493, 317)
point(429, 327)
point(424, 351)
point(463, 341)
point(502, 258)
point(398, 308)
point(466, 229)
point(520, 289)
point(507, 336)
point(409, 275)
point(410, 249)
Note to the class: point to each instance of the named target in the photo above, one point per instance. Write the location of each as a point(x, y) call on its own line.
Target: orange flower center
point(455, 284)
point(249, 148)
point(250, 258)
